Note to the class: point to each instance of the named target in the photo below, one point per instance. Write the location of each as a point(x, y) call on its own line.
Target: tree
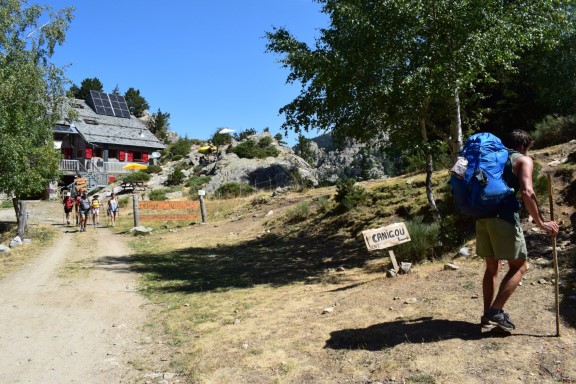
point(304, 149)
point(116, 90)
point(396, 70)
point(32, 96)
point(159, 124)
point(136, 103)
point(86, 86)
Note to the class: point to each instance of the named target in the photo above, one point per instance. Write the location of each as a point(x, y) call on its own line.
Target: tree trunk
point(16, 205)
point(456, 125)
point(429, 164)
point(22, 219)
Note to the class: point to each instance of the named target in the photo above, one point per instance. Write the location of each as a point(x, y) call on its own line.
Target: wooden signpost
point(387, 237)
point(172, 210)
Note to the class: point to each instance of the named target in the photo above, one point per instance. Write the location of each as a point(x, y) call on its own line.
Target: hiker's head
point(519, 140)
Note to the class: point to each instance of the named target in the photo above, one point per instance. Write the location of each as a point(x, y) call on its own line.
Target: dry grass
point(252, 298)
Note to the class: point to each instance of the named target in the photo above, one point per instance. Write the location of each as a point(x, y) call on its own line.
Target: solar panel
point(109, 104)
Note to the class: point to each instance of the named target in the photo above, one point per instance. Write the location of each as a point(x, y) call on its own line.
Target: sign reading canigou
point(386, 237)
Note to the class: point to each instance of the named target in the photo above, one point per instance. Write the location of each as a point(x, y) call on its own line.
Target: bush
point(6, 204)
point(123, 201)
point(135, 177)
point(249, 149)
point(554, 130)
point(158, 194)
point(153, 169)
point(299, 212)
point(424, 241)
point(195, 183)
point(323, 203)
point(175, 178)
point(180, 148)
point(348, 195)
point(231, 190)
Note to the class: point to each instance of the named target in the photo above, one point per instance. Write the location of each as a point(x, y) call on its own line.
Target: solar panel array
point(109, 104)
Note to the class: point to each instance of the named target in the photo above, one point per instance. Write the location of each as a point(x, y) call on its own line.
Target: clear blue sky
point(202, 61)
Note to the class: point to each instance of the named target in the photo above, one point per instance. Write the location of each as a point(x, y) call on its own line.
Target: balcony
point(87, 166)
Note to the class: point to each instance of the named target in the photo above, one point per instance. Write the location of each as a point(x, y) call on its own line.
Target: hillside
point(265, 293)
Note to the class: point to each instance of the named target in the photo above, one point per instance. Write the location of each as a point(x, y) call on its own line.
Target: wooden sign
point(386, 237)
point(187, 204)
point(168, 217)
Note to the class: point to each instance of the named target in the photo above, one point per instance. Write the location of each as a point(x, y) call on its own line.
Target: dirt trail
point(72, 316)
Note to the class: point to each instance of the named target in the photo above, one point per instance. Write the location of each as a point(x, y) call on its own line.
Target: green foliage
point(323, 203)
point(86, 86)
point(249, 149)
point(123, 201)
point(280, 139)
point(136, 176)
point(159, 124)
point(348, 195)
point(299, 212)
point(158, 194)
point(424, 241)
point(136, 104)
point(196, 183)
point(554, 130)
point(32, 95)
point(233, 190)
point(179, 148)
point(245, 134)
point(304, 149)
point(539, 183)
point(6, 204)
point(175, 178)
point(219, 139)
point(153, 169)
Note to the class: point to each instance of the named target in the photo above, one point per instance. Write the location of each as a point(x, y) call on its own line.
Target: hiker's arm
point(524, 167)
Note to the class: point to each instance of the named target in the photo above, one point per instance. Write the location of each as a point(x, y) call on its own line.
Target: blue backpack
point(478, 187)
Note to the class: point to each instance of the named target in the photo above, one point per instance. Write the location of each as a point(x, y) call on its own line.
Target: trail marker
point(387, 237)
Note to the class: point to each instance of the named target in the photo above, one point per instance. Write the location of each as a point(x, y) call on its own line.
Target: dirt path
point(72, 316)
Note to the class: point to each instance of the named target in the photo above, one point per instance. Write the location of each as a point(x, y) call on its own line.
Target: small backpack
point(478, 187)
point(69, 203)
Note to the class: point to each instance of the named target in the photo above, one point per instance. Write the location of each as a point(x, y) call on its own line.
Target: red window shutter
point(130, 156)
point(144, 157)
point(88, 153)
point(67, 153)
point(122, 156)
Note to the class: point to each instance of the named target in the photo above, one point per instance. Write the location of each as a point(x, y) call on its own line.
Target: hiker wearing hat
point(68, 205)
point(95, 207)
point(84, 205)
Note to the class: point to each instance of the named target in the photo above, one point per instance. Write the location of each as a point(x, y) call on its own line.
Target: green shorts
point(500, 239)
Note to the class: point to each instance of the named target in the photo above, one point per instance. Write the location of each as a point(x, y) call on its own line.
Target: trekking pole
point(556, 293)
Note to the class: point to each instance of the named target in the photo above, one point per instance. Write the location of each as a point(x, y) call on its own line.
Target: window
point(137, 156)
point(91, 122)
point(97, 152)
point(112, 153)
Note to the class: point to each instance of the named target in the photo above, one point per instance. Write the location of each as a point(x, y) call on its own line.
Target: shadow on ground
point(423, 330)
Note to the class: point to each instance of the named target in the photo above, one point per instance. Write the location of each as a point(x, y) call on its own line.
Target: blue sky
point(202, 61)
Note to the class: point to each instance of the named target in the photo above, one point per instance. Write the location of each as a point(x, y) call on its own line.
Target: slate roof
point(111, 129)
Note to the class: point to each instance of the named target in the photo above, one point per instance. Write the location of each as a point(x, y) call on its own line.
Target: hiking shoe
point(485, 323)
point(501, 320)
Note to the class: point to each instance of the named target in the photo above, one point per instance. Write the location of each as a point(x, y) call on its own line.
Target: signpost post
point(387, 237)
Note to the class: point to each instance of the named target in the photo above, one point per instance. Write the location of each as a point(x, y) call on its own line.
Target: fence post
point(201, 194)
point(135, 211)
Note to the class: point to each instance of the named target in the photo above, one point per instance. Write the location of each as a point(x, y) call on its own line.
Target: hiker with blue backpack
point(486, 180)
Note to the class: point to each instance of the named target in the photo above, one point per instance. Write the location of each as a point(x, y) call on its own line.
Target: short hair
point(519, 138)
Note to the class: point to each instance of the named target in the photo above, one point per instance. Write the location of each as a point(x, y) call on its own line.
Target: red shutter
point(67, 153)
point(88, 153)
point(122, 156)
point(130, 156)
point(144, 157)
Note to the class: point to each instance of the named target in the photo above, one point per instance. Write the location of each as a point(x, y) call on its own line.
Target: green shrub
point(424, 241)
point(180, 148)
point(136, 176)
point(7, 204)
point(249, 149)
point(323, 203)
point(299, 212)
point(196, 183)
point(175, 178)
point(231, 190)
point(153, 169)
point(158, 194)
point(554, 130)
point(123, 201)
point(348, 195)
point(244, 134)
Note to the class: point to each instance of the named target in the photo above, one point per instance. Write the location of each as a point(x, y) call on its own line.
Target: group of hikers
point(84, 207)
